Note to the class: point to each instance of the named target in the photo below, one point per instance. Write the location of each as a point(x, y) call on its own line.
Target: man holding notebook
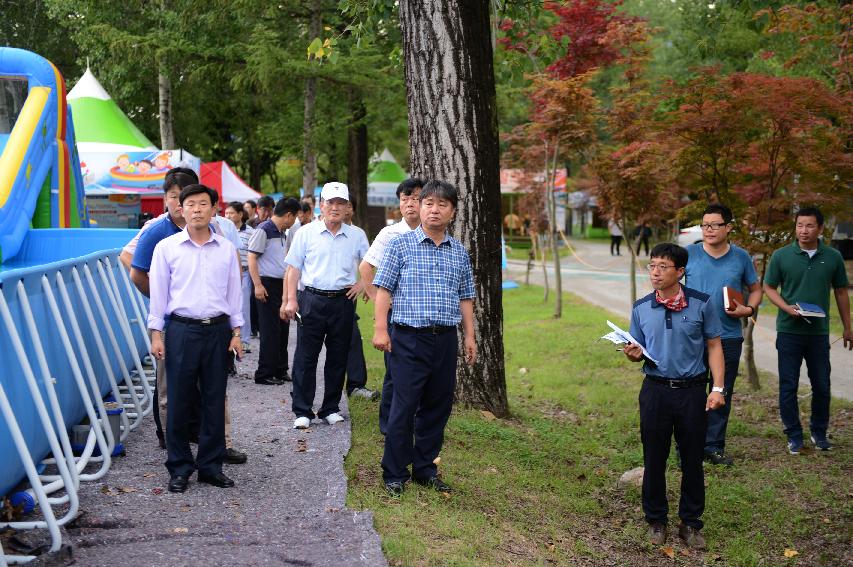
point(715, 267)
point(804, 272)
point(677, 326)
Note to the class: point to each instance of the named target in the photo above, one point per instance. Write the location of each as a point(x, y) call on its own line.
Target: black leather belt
point(326, 292)
point(432, 329)
point(209, 321)
point(692, 382)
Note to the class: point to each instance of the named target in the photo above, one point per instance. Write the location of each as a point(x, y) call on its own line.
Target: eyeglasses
point(659, 267)
point(713, 225)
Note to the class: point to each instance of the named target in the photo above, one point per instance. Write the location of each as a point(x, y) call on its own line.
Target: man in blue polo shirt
point(428, 274)
point(676, 325)
point(714, 264)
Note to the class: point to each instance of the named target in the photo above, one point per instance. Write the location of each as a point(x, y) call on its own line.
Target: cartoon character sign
point(133, 172)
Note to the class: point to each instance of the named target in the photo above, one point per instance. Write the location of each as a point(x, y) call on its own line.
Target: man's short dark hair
point(718, 209)
point(409, 186)
point(440, 190)
point(305, 207)
point(180, 176)
point(251, 202)
point(198, 189)
point(266, 201)
point(810, 212)
point(670, 251)
point(286, 205)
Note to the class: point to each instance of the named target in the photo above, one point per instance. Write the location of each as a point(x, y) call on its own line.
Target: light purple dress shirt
point(196, 281)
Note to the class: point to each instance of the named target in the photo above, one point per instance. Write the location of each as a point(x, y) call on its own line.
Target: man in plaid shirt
point(428, 274)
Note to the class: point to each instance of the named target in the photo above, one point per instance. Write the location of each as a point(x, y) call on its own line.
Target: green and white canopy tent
point(99, 124)
point(382, 181)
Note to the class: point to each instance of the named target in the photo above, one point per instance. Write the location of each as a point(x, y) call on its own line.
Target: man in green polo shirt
point(805, 271)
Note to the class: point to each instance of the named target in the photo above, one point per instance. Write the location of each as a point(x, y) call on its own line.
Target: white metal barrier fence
point(71, 335)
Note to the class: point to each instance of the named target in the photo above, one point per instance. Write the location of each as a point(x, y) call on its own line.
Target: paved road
point(288, 507)
point(609, 288)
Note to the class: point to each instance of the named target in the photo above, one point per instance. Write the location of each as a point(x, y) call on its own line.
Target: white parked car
point(690, 235)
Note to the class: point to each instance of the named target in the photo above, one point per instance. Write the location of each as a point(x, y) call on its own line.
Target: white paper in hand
point(619, 336)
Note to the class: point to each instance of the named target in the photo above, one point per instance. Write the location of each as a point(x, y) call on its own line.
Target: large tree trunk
point(167, 132)
point(453, 134)
point(357, 158)
point(309, 144)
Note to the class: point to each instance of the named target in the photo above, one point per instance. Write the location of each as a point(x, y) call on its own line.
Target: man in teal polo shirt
point(806, 270)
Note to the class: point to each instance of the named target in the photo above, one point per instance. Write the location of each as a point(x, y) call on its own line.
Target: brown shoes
point(657, 534)
point(691, 536)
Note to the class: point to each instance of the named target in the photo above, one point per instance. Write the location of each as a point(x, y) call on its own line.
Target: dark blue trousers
point(718, 419)
point(329, 321)
point(356, 365)
point(665, 411)
point(387, 385)
point(272, 358)
point(793, 349)
point(424, 369)
point(197, 368)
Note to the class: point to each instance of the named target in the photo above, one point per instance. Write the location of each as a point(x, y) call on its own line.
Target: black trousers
point(665, 411)
point(615, 242)
point(387, 385)
point(329, 321)
point(197, 365)
point(253, 308)
point(356, 365)
point(272, 357)
point(424, 370)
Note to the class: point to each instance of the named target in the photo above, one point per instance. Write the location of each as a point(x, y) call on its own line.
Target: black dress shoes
point(268, 381)
point(179, 483)
point(394, 489)
point(234, 457)
point(218, 480)
point(284, 378)
point(435, 483)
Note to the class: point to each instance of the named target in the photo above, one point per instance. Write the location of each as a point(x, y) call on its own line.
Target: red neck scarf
point(676, 303)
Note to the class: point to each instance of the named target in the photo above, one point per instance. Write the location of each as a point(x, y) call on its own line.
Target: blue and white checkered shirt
point(426, 281)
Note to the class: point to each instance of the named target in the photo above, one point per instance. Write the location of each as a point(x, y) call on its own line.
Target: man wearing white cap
point(323, 257)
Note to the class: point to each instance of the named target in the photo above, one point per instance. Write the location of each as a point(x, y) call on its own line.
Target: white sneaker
point(334, 418)
point(301, 423)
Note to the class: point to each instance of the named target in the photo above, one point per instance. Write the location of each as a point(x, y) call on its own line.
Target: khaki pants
point(163, 399)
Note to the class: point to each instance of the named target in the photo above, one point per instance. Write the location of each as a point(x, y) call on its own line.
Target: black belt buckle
point(207, 321)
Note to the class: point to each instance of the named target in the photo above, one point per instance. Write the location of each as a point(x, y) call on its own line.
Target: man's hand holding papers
point(633, 349)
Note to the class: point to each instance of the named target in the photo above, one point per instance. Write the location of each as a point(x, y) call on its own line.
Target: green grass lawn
point(541, 487)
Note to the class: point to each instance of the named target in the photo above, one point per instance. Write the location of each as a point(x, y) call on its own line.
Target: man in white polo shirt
point(409, 194)
point(323, 257)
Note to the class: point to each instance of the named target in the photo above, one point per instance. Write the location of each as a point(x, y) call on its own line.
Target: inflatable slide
point(40, 181)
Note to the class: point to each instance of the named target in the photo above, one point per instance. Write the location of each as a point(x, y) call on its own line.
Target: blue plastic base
point(24, 499)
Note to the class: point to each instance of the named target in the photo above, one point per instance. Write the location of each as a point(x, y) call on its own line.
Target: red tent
point(219, 175)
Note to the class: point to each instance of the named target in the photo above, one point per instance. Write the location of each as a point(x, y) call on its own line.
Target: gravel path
point(288, 507)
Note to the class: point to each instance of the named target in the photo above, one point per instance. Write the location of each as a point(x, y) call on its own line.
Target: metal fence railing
point(73, 349)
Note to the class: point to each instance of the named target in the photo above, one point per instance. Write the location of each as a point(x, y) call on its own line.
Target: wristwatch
point(235, 333)
point(719, 390)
